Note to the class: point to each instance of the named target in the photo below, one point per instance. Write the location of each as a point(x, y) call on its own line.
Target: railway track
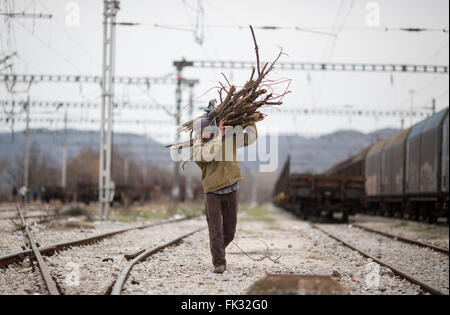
point(117, 287)
point(426, 286)
point(43, 268)
point(31, 208)
point(403, 239)
point(36, 252)
point(46, 213)
point(19, 256)
point(35, 216)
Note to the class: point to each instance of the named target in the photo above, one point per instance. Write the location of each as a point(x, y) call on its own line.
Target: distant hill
point(50, 143)
point(308, 154)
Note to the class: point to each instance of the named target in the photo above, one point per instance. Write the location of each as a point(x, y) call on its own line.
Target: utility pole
point(188, 186)
point(411, 106)
point(176, 170)
point(431, 108)
point(179, 65)
point(27, 146)
point(64, 158)
point(126, 165)
point(109, 14)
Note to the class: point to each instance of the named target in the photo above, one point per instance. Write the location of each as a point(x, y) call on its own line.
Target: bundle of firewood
point(240, 107)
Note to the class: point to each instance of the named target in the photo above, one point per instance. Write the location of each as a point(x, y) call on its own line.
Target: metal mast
point(27, 146)
point(188, 186)
point(178, 93)
point(64, 159)
point(110, 10)
point(179, 65)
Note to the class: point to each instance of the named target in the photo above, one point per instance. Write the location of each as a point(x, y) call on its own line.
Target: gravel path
point(186, 269)
point(423, 263)
point(436, 234)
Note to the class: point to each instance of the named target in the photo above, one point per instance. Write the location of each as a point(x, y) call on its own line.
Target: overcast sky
point(56, 46)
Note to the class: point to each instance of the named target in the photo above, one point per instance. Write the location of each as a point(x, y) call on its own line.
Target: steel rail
point(43, 268)
point(122, 278)
point(8, 210)
point(399, 272)
point(36, 216)
point(12, 258)
point(30, 209)
point(403, 239)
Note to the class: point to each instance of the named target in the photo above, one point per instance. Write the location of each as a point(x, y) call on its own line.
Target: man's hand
point(221, 128)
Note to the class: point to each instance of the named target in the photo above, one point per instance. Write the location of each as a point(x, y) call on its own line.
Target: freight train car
point(354, 166)
point(406, 175)
point(319, 196)
point(385, 175)
point(53, 193)
point(444, 163)
point(426, 149)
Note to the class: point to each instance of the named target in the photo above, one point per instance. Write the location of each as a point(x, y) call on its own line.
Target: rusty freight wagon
point(317, 196)
point(385, 175)
point(426, 183)
point(393, 164)
point(405, 175)
point(354, 166)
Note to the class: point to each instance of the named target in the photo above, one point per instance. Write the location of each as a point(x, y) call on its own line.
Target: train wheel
point(305, 215)
point(432, 219)
point(415, 216)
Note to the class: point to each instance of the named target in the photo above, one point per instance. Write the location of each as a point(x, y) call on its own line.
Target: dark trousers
point(221, 215)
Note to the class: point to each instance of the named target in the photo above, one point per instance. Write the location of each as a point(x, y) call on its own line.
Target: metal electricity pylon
point(179, 65)
point(110, 10)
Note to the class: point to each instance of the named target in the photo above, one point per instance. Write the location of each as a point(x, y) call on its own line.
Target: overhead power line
point(349, 112)
point(63, 29)
point(86, 120)
point(5, 59)
point(62, 78)
point(86, 105)
point(321, 111)
point(48, 46)
point(318, 66)
point(211, 64)
point(28, 15)
point(321, 30)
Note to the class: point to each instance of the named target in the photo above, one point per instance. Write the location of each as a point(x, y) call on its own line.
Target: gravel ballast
point(435, 234)
point(422, 263)
point(276, 243)
point(187, 269)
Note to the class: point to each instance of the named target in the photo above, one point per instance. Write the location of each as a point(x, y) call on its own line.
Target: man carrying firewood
point(214, 151)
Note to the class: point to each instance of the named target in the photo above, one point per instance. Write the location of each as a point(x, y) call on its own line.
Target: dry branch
point(240, 107)
point(264, 256)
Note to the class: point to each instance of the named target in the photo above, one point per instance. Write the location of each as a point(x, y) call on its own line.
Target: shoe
point(220, 269)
